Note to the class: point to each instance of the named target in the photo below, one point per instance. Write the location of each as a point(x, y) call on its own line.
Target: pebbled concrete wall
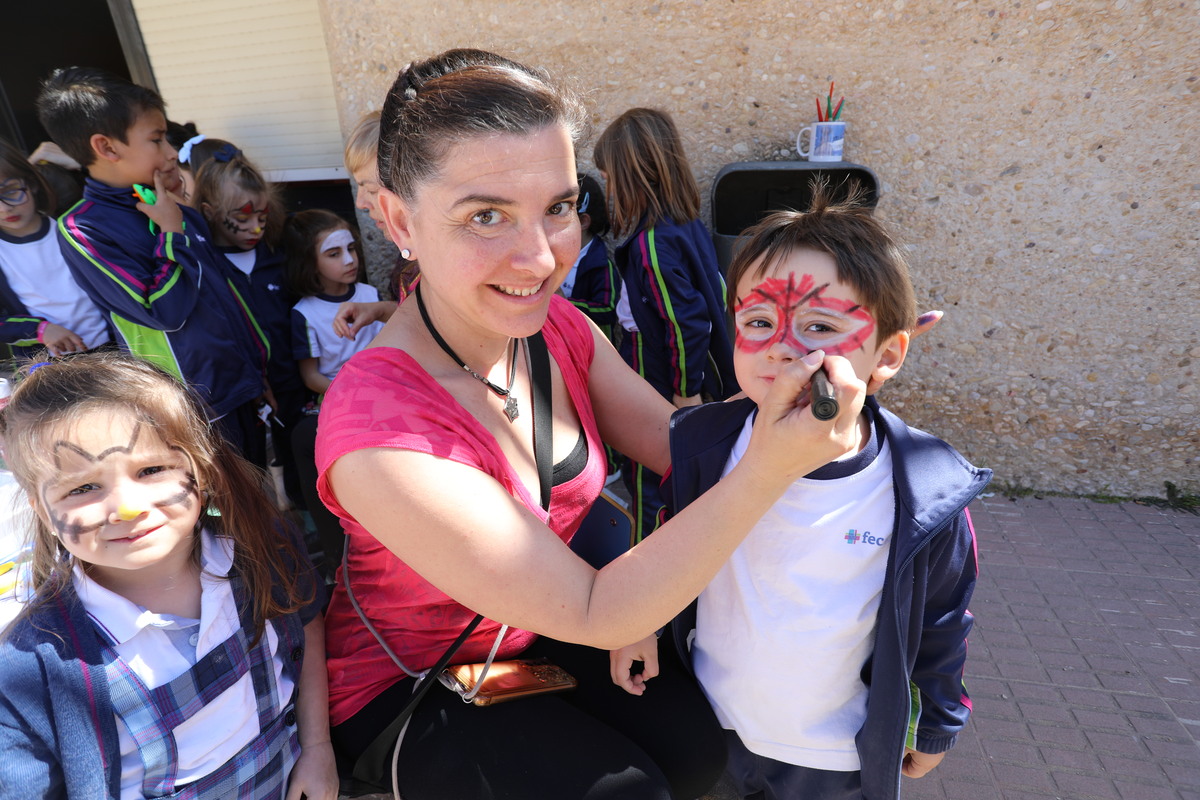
point(1039, 158)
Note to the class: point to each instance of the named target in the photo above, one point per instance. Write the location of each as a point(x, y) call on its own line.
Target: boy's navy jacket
point(597, 285)
point(266, 292)
point(170, 297)
point(58, 729)
point(914, 676)
point(677, 298)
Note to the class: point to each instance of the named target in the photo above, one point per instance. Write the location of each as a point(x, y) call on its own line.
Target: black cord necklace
point(510, 403)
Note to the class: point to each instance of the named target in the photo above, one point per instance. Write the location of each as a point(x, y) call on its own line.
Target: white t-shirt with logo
point(785, 627)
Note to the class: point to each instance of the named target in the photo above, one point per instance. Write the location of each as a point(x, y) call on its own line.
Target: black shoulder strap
point(376, 760)
point(543, 413)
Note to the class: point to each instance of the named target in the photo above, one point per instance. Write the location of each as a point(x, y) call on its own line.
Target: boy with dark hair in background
point(149, 266)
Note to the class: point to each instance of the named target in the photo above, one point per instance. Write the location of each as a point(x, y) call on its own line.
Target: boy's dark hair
point(868, 258)
point(13, 164)
point(302, 234)
point(592, 203)
point(76, 103)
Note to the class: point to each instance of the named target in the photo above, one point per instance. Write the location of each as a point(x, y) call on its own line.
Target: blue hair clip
point(35, 367)
point(584, 201)
point(226, 153)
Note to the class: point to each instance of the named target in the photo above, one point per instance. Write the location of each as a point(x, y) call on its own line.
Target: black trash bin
point(745, 192)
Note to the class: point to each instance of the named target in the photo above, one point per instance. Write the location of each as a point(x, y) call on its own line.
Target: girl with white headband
point(323, 268)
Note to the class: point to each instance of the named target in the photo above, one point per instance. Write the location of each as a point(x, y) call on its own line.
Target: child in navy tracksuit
point(150, 268)
point(246, 218)
point(832, 643)
point(673, 299)
point(593, 285)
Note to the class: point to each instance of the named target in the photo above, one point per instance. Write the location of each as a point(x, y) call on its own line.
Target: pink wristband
point(42, 330)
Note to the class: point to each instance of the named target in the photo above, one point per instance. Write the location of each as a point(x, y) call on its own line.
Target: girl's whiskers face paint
point(109, 464)
point(242, 226)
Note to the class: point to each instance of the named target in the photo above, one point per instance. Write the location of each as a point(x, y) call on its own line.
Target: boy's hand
point(59, 340)
point(917, 765)
point(165, 213)
point(620, 662)
point(315, 774)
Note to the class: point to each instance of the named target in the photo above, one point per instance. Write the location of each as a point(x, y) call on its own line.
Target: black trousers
point(595, 742)
point(242, 428)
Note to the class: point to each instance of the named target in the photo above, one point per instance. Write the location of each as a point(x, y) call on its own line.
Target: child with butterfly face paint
point(174, 641)
point(245, 218)
point(870, 559)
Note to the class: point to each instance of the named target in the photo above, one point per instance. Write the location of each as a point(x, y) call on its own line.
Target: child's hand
point(165, 213)
point(621, 661)
point(917, 765)
point(50, 153)
point(59, 340)
point(352, 317)
point(348, 319)
point(315, 774)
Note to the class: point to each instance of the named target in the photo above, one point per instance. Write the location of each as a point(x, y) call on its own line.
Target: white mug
point(825, 141)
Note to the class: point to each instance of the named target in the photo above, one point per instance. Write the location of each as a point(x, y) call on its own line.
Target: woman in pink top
point(426, 453)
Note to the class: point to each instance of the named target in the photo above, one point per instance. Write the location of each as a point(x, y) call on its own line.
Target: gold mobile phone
point(508, 680)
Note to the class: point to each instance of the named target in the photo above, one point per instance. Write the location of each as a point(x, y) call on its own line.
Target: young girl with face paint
point(174, 641)
point(41, 305)
point(324, 269)
point(244, 217)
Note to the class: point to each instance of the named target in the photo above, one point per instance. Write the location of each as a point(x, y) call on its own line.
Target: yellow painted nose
point(125, 513)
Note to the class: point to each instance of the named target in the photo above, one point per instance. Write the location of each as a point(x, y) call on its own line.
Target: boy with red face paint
point(832, 643)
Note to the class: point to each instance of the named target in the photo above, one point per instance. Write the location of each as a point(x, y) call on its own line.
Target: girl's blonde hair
point(649, 178)
point(234, 500)
point(362, 145)
point(220, 179)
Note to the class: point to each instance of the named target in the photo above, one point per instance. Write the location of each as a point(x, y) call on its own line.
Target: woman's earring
point(406, 254)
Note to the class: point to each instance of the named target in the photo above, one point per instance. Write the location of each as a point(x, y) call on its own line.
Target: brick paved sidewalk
point(1084, 664)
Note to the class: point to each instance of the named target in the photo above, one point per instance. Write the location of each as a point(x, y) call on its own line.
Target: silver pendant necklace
point(510, 403)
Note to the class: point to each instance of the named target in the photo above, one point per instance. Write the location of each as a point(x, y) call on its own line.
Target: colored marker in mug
point(820, 391)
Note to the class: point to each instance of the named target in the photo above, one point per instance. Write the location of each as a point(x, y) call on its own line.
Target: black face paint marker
point(821, 396)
